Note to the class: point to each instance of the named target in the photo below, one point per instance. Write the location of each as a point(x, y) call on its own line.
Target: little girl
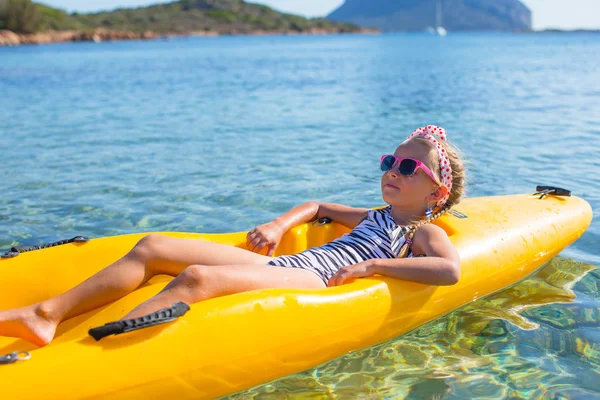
point(422, 180)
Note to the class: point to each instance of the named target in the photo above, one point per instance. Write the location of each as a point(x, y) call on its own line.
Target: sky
point(562, 14)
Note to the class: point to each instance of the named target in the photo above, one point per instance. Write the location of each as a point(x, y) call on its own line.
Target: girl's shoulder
point(430, 229)
point(429, 235)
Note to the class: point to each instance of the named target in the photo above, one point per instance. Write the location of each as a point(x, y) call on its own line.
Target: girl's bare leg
point(153, 255)
point(200, 282)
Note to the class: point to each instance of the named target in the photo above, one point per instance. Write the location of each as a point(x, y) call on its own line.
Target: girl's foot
point(30, 323)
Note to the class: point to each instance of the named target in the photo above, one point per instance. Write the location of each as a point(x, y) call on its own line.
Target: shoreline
point(9, 38)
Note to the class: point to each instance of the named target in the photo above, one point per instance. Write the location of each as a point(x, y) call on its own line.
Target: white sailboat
point(439, 29)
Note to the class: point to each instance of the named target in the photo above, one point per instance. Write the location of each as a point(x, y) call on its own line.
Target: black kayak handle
point(159, 317)
point(553, 190)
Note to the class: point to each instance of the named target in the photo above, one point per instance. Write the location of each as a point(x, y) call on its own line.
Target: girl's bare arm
point(269, 234)
point(311, 211)
point(441, 266)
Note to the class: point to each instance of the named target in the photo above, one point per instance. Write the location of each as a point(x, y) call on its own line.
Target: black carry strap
point(15, 251)
point(159, 317)
point(553, 190)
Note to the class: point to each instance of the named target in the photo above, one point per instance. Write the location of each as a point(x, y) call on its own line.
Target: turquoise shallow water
point(222, 134)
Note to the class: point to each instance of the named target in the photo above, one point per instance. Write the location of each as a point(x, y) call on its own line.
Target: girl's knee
point(197, 275)
point(147, 247)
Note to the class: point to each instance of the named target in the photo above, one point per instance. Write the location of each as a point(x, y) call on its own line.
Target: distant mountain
point(418, 15)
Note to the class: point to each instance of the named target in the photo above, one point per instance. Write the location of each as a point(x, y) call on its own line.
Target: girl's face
point(415, 192)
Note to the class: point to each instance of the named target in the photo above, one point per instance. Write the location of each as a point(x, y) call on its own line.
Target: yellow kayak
point(228, 344)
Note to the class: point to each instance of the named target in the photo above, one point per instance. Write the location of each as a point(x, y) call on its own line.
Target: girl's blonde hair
point(457, 192)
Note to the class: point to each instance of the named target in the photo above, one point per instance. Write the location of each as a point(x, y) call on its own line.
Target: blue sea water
point(221, 134)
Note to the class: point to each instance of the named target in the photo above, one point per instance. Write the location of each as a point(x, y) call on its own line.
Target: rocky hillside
point(32, 21)
point(418, 15)
point(222, 16)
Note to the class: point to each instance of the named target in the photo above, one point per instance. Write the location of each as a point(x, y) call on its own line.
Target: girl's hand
point(267, 235)
point(351, 272)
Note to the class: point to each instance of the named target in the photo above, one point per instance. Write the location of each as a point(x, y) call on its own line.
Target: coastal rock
point(48, 37)
point(8, 38)
point(419, 15)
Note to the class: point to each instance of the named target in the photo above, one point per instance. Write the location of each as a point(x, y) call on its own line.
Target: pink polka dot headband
point(428, 132)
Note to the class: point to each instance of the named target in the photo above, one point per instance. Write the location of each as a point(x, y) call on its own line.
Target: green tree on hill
point(19, 16)
point(3, 14)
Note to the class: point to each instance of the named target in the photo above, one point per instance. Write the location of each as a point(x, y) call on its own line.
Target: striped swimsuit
point(377, 236)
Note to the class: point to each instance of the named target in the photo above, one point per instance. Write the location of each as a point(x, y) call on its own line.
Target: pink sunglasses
point(406, 166)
